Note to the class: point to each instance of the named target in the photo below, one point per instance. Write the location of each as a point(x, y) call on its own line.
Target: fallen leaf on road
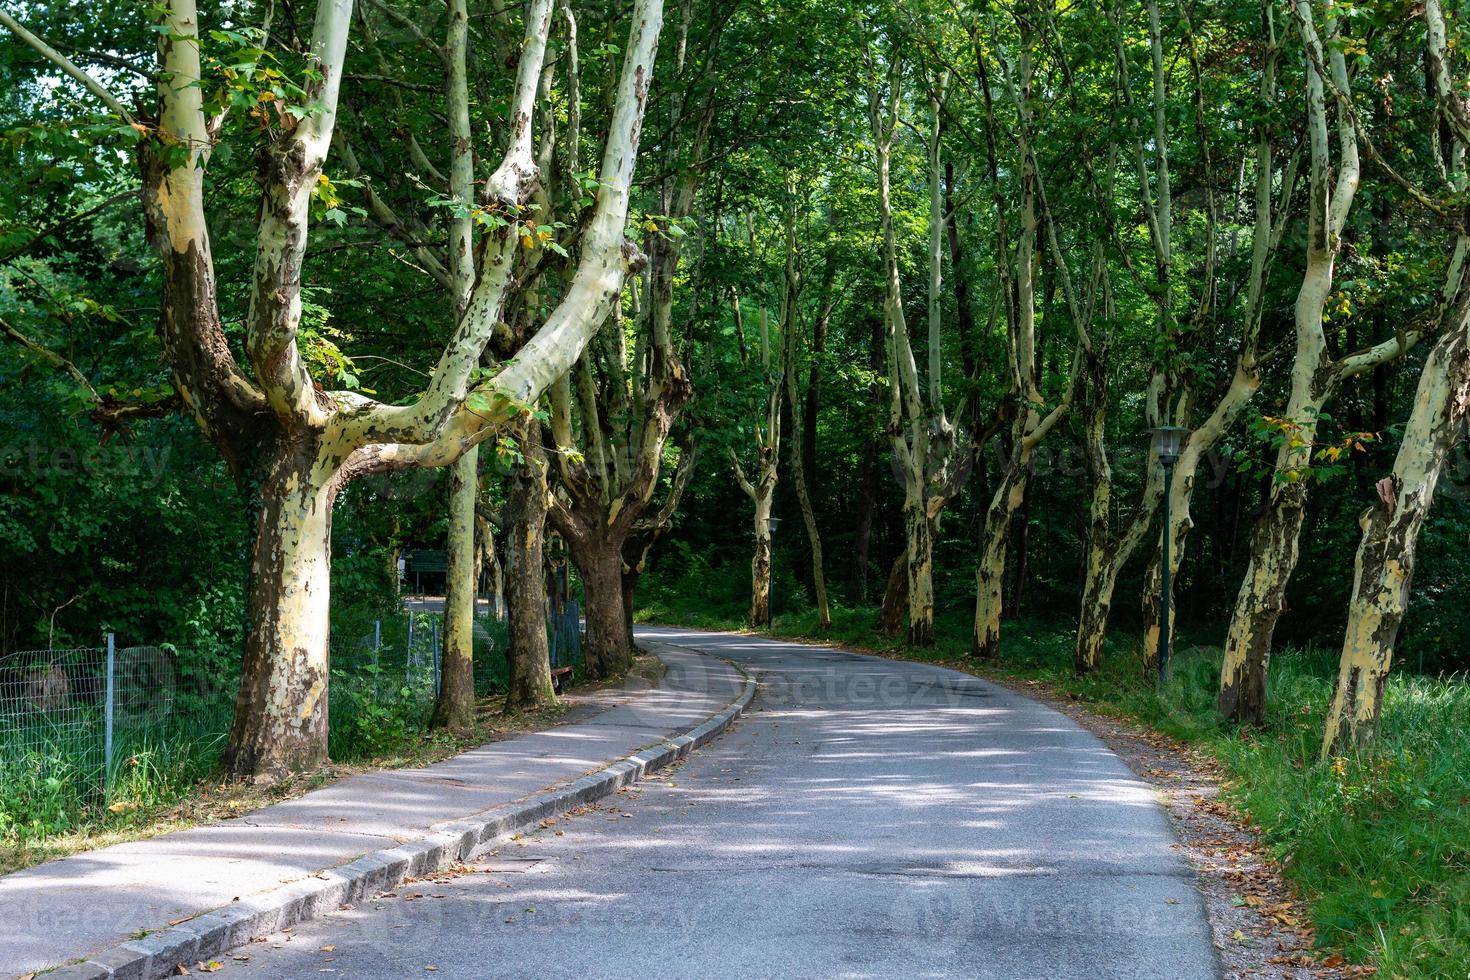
point(329, 949)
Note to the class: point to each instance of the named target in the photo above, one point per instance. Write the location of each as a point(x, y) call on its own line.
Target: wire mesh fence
point(71, 714)
point(78, 717)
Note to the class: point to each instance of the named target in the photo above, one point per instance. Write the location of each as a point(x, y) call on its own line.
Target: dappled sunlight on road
point(866, 818)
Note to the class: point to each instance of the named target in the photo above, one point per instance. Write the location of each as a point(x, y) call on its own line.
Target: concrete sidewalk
point(198, 892)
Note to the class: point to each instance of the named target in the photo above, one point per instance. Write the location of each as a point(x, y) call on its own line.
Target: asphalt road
point(866, 819)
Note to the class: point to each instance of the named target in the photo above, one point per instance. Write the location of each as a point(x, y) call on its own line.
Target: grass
point(53, 802)
point(1378, 844)
point(172, 784)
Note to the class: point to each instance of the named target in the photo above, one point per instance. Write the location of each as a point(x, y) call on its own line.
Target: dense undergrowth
point(1378, 844)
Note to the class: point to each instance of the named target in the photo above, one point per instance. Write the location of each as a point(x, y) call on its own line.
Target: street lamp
point(771, 524)
point(1167, 441)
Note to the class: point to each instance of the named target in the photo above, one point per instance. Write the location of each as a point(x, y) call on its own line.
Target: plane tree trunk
point(1029, 426)
point(293, 445)
point(281, 714)
point(528, 653)
point(1314, 378)
point(1385, 561)
point(933, 454)
point(455, 707)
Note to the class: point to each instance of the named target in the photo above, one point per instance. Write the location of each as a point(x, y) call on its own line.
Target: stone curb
point(213, 933)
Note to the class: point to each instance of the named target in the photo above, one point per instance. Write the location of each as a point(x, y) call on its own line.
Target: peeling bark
point(455, 708)
point(276, 428)
point(933, 456)
point(1386, 556)
point(528, 654)
point(1274, 540)
point(280, 722)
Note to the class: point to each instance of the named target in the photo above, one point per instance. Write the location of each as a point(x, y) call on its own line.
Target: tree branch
point(67, 65)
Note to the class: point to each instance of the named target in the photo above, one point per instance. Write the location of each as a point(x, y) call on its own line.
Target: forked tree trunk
point(455, 708)
point(274, 418)
point(528, 654)
point(1274, 540)
point(280, 722)
point(1387, 552)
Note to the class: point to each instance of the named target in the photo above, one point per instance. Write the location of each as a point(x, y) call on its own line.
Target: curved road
point(867, 818)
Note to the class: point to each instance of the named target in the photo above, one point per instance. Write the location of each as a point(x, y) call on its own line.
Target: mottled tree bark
point(1275, 537)
point(528, 654)
point(1386, 554)
point(280, 721)
point(455, 707)
point(291, 444)
point(933, 455)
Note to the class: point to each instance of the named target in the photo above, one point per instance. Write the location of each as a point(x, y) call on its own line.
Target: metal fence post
point(107, 713)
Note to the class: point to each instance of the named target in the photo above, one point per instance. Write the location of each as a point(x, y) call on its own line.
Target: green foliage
point(378, 711)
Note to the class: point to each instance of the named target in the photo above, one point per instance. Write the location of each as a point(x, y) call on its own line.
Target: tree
point(933, 455)
point(765, 431)
point(1315, 376)
point(293, 445)
point(527, 654)
point(1385, 561)
point(612, 434)
point(1028, 426)
point(803, 429)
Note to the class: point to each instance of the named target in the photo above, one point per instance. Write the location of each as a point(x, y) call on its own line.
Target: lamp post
point(1167, 441)
point(771, 524)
